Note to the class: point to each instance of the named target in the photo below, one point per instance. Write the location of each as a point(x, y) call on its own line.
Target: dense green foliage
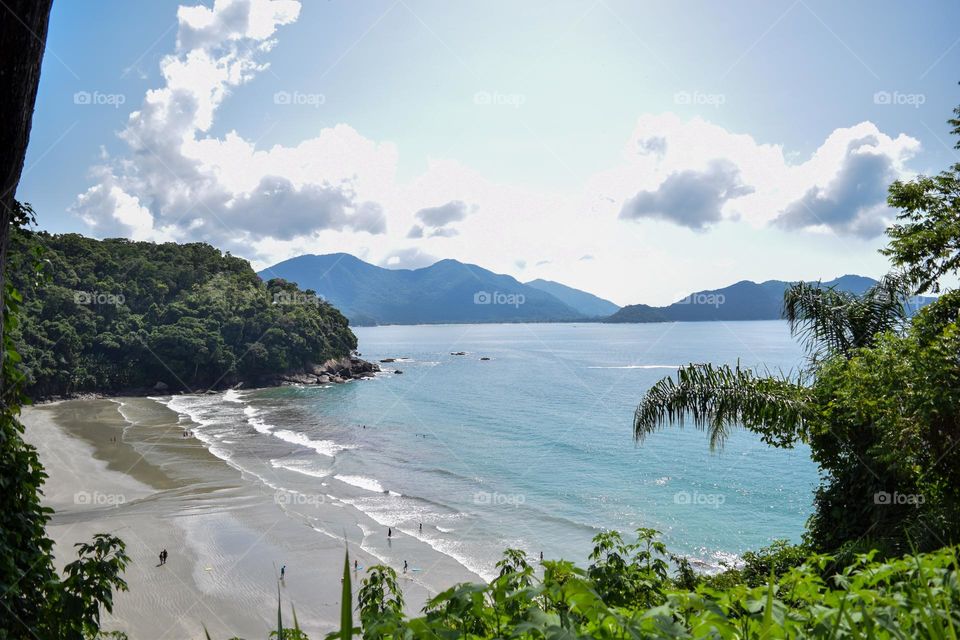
point(36, 602)
point(926, 240)
point(627, 593)
point(115, 315)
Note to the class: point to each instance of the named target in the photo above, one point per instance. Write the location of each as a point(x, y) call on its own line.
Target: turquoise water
point(532, 448)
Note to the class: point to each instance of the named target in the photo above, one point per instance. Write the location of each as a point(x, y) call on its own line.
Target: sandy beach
point(123, 466)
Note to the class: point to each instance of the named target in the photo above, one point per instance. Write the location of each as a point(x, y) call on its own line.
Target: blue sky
point(637, 150)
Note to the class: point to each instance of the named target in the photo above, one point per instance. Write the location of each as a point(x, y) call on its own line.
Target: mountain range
point(744, 300)
point(450, 291)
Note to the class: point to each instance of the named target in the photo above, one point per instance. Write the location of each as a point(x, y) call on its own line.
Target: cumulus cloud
point(180, 183)
point(690, 198)
point(695, 173)
point(436, 220)
point(444, 214)
point(853, 202)
point(654, 144)
point(444, 232)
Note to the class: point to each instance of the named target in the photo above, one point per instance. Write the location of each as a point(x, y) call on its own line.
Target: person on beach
point(389, 532)
point(283, 570)
point(421, 527)
point(541, 556)
point(356, 567)
point(404, 566)
point(161, 559)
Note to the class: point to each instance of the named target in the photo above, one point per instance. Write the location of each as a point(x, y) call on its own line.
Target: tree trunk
point(23, 36)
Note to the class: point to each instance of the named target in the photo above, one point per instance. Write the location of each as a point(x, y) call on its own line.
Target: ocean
point(531, 449)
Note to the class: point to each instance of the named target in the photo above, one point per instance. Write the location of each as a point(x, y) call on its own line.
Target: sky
point(636, 150)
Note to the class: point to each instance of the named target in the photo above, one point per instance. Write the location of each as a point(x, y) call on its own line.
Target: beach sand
point(123, 467)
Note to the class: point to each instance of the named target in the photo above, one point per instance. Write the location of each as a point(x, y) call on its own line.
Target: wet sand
point(124, 467)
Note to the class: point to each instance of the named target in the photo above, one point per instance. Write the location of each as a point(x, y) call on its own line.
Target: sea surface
point(532, 448)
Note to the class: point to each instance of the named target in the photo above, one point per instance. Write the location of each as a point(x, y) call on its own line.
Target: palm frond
point(832, 322)
point(720, 398)
point(818, 316)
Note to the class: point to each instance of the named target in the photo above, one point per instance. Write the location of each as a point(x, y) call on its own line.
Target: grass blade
point(346, 603)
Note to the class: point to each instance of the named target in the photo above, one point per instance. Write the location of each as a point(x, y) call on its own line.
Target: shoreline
point(122, 466)
point(333, 371)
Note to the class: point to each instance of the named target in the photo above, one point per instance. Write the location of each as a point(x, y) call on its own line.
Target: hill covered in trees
point(116, 315)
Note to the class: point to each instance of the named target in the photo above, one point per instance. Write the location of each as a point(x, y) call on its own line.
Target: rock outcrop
point(337, 370)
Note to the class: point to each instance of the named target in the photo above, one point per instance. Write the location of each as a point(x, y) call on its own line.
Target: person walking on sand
point(421, 527)
point(283, 570)
point(389, 532)
point(404, 566)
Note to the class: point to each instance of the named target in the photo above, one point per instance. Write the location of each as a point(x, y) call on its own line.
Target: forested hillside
point(117, 315)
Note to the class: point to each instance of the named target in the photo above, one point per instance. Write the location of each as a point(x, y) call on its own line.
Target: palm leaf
point(831, 322)
point(346, 602)
point(720, 398)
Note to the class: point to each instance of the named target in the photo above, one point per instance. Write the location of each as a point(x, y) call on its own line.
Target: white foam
point(323, 447)
point(183, 406)
point(232, 395)
point(363, 483)
point(452, 549)
point(306, 467)
point(260, 425)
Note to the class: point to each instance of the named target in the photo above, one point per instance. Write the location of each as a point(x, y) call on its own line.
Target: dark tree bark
point(23, 36)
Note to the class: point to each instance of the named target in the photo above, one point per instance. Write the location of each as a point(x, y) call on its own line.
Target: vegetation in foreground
point(626, 593)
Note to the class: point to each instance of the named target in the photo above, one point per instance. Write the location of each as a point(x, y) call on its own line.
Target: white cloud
point(191, 186)
point(690, 198)
point(687, 152)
